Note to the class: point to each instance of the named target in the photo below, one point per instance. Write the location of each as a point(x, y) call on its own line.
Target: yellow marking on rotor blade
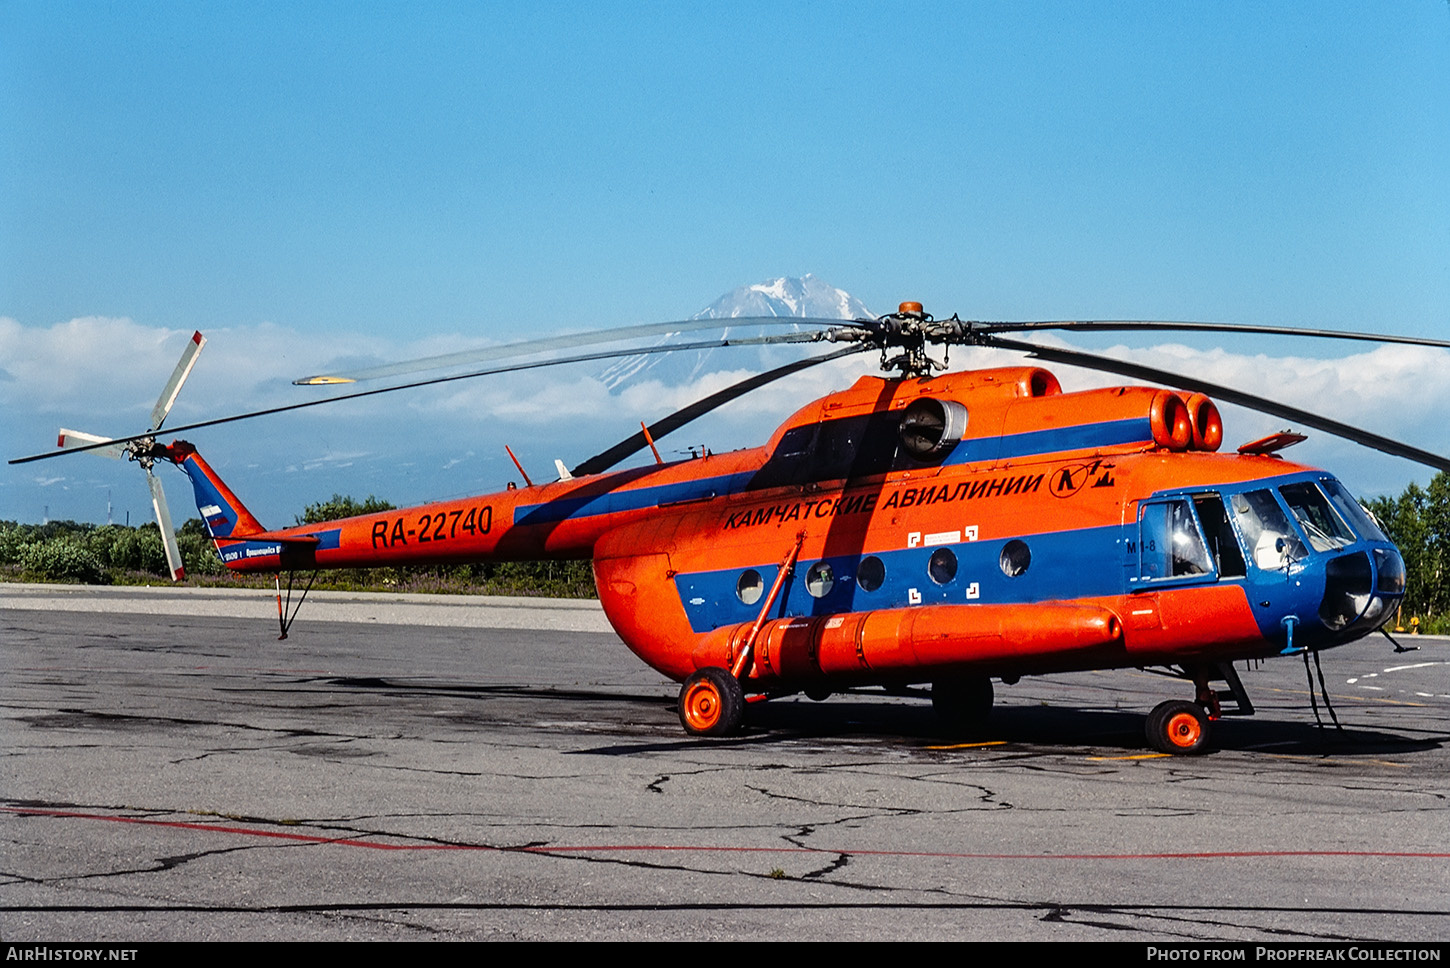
point(313, 381)
point(967, 746)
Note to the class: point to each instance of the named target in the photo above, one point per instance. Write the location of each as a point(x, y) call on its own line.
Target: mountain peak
point(787, 296)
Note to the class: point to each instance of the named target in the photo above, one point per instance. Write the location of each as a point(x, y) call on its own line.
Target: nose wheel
point(1177, 727)
point(712, 703)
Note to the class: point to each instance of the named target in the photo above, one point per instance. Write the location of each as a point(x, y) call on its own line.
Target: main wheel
point(1177, 727)
point(712, 703)
point(962, 705)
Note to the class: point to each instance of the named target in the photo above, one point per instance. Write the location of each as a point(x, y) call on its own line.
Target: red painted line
point(679, 848)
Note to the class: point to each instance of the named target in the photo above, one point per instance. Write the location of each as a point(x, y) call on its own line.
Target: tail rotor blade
point(168, 533)
point(76, 439)
point(178, 377)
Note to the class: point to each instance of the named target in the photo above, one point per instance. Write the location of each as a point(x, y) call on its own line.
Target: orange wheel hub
point(702, 706)
point(1184, 730)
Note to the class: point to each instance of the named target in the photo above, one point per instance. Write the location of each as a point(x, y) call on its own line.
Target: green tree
point(341, 506)
point(1418, 522)
point(63, 559)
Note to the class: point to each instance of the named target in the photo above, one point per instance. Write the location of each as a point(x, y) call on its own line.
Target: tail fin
point(223, 512)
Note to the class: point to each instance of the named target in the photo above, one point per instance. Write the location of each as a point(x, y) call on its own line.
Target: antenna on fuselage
point(524, 473)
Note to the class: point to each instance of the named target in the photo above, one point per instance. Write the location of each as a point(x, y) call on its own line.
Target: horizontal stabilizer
point(301, 540)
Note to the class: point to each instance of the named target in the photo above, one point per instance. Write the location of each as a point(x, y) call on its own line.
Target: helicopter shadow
point(1032, 730)
point(845, 720)
point(1058, 728)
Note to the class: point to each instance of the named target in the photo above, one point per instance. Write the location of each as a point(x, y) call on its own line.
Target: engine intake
point(930, 428)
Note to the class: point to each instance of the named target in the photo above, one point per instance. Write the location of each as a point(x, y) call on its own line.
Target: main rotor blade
point(168, 533)
point(566, 341)
point(1225, 394)
point(533, 365)
point(178, 377)
point(637, 442)
point(1110, 325)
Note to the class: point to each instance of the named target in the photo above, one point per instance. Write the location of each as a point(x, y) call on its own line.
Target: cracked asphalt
point(173, 771)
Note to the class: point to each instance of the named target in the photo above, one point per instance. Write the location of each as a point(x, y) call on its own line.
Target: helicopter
point(913, 529)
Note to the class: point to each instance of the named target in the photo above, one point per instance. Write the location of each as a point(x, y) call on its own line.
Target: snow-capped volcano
point(787, 296)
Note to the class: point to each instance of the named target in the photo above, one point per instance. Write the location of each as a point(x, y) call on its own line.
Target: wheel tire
point(1177, 727)
point(712, 703)
point(962, 706)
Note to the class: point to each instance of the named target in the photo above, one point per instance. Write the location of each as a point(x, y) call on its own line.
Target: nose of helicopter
point(1361, 589)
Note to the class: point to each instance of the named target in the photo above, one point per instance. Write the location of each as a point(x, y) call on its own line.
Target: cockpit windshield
point(1269, 537)
point(1350, 509)
point(1324, 528)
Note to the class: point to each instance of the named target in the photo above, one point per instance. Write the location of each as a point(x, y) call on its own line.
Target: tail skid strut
point(284, 619)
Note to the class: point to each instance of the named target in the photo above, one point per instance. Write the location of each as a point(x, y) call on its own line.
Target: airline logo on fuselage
point(1068, 479)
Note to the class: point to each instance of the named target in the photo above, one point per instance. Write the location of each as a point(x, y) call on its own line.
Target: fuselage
point(979, 521)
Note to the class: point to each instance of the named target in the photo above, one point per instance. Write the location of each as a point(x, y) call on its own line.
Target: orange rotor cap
point(909, 307)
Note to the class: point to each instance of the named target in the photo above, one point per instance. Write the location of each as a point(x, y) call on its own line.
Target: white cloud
point(102, 374)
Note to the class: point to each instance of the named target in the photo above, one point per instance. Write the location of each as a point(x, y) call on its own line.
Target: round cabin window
point(750, 587)
point(820, 580)
point(870, 573)
point(943, 565)
point(1016, 556)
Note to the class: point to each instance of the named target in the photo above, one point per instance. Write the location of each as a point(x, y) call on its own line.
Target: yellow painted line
point(1135, 756)
point(967, 746)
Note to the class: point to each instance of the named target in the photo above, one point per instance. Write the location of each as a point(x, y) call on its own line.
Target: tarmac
point(441, 767)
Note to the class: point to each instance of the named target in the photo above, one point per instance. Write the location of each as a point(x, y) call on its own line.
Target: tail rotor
point(145, 451)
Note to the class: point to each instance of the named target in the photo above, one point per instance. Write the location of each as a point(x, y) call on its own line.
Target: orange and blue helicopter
point(913, 529)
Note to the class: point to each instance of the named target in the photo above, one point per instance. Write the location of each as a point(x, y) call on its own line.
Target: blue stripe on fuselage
point(631, 499)
point(1065, 565)
point(1109, 433)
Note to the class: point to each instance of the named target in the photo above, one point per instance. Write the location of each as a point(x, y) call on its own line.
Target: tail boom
point(560, 520)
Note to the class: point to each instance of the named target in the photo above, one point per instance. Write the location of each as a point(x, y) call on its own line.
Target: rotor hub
point(910, 329)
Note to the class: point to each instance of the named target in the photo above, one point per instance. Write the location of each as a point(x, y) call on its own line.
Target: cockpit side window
point(1324, 529)
point(1221, 540)
point(1170, 545)
point(1271, 540)
point(840, 448)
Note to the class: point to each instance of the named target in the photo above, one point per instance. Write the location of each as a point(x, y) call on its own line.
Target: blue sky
point(308, 181)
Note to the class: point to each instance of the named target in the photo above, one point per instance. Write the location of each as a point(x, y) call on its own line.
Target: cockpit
point(1302, 546)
